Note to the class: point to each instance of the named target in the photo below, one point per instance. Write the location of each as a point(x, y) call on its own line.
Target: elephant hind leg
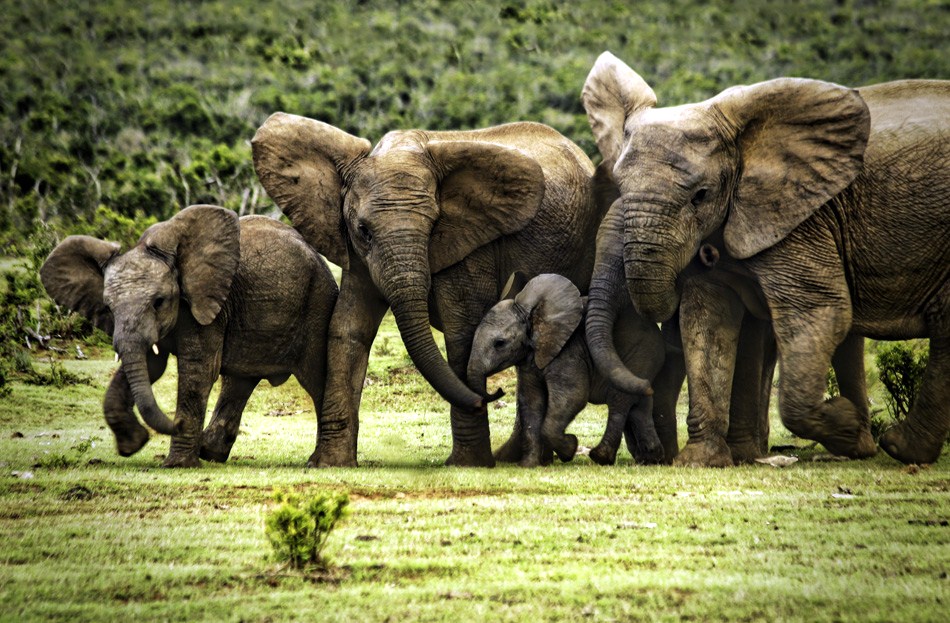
point(919, 439)
point(218, 438)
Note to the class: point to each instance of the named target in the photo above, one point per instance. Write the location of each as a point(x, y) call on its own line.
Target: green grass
point(92, 536)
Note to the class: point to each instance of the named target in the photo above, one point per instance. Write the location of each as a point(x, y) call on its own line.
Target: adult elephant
point(832, 200)
point(431, 224)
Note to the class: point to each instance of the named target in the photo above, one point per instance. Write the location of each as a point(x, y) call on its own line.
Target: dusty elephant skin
point(540, 330)
point(431, 224)
point(246, 299)
point(832, 199)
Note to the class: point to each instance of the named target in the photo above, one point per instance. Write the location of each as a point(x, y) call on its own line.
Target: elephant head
point(415, 205)
point(136, 296)
point(752, 162)
point(538, 321)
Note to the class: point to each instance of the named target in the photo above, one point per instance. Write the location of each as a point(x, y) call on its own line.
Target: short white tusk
point(155, 348)
point(117, 357)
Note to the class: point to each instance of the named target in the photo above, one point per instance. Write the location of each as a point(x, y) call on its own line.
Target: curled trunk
point(136, 371)
point(604, 302)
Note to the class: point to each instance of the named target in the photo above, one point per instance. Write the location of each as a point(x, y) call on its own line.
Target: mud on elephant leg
point(919, 439)
point(218, 437)
point(130, 435)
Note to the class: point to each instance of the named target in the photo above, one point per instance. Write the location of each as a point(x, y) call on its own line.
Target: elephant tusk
point(155, 348)
point(117, 357)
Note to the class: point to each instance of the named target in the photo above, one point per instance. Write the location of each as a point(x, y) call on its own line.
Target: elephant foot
point(650, 455)
point(602, 455)
point(510, 451)
point(181, 460)
point(216, 447)
point(567, 448)
point(323, 459)
point(470, 456)
point(746, 452)
point(841, 429)
point(128, 445)
point(903, 445)
point(706, 453)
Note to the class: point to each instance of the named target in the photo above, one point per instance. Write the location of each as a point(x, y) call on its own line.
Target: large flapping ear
point(73, 277)
point(612, 93)
point(555, 308)
point(298, 161)
point(800, 142)
point(205, 243)
point(486, 191)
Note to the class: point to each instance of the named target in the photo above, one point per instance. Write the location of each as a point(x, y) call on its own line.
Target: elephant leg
point(218, 437)
point(199, 363)
point(646, 448)
point(619, 405)
point(848, 362)
point(568, 388)
point(353, 326)
point(130, 435)
point(511, 450)
point(748, 436)
point(919, 439)
point(532, 404)
point(710, 322)
point(667, 385)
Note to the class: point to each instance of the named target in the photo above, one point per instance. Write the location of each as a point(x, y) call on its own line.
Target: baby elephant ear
point(801, 142)
point(515, 284)
point(206, 244)
point(556, 309)
point(73, 277)
point(486, 191)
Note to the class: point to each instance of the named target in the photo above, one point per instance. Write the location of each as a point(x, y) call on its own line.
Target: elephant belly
point(261, 356)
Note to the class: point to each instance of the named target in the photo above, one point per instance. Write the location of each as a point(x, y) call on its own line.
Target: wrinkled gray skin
point(540, 330)
point(244, 299)
point(833, 200)
point(430, 224)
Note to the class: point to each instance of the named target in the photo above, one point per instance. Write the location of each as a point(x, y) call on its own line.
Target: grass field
point(90, 536)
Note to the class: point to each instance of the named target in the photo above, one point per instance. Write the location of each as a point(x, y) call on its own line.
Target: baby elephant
point(246, 299)
point(541, 331)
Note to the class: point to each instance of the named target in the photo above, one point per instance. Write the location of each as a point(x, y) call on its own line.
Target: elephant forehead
point(136, 272)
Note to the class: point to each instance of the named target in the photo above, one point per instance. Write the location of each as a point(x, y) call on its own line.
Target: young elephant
point(246, 299)
point(540, 331)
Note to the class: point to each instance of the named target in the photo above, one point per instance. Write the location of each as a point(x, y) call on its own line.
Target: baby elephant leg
point(567, 396)
point(218, 438)
point(643, 442)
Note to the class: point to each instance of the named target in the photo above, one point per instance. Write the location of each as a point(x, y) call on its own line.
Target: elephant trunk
point(656, 246)
point(605, 299)
point(408, 293)
point(135, 367)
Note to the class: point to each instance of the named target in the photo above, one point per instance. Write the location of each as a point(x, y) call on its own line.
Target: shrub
point(298, 529)
point(900, 368)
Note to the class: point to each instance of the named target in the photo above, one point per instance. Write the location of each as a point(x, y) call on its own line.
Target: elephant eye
point(365, 233)
point(699, 197)
point(499, 343)
point(158, 302)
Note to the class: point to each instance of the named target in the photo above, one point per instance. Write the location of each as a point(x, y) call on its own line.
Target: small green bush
point(900, 368)
point(298, 529)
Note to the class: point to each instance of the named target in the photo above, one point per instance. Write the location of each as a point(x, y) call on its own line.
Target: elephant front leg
point(130, 435)
point(667, 385)
point(199, 362)
point(532, 404)
point(919, 439)
point(218, 437)
point(568, 388)
point(710, 321)
point(748, 436)
point(353, 326)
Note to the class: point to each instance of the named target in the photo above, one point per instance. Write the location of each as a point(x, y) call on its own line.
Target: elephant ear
point(204, 242)
point(485, 191)
point(73, 277)
point(800, 142)
point(515, 284)
point(555, 308)
point(298, 161)
point(613, 93)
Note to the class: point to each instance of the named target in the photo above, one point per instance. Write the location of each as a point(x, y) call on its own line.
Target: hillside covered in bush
point(113, 111)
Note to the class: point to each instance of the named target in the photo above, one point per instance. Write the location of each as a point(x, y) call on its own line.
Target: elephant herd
point(780, 222)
